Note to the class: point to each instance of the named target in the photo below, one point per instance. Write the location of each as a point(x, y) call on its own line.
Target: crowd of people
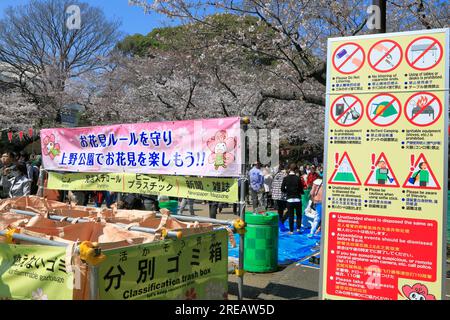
point(288, 189)
point(19, 174)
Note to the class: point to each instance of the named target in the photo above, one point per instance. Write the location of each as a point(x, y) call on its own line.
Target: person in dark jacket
point(292, 186)
point(6, 174)
point(19, 185)
point(278, 196)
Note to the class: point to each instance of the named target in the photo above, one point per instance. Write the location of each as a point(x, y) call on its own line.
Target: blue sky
point(133, 18)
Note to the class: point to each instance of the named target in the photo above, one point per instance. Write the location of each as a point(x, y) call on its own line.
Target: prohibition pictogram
point(348, 58)
point(383, 109)
point(347, 110)
point(423, 109)
point(385, 55)
point(424, 53)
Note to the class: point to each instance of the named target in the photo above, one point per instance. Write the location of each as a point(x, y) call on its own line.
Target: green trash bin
point(171, 205)
point(261, 242)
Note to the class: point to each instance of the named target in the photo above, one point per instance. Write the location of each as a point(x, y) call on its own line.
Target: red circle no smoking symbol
point(385, 56)
point(424, 53)
point(383, 109)
point(348, 58)
point(423, 109)
point(347, 110)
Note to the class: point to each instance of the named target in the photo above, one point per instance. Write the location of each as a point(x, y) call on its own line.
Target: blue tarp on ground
point(296, 247)
point(291, 248)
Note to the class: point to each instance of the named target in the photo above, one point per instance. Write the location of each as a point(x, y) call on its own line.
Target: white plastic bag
point(310, 212)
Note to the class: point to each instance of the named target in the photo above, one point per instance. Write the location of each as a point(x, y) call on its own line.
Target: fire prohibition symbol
point(423, 109)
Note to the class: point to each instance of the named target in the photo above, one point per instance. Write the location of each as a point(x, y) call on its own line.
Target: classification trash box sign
point(34, 272)
point(209, 146)
point(191, 268)
point(386, 151)
point(206, 188)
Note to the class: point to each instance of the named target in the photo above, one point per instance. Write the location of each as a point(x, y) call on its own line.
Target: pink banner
point(209, 147)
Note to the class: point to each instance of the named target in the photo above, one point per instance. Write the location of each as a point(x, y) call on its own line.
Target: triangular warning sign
point(382, 175)
point(345, 172)
point(422, 177)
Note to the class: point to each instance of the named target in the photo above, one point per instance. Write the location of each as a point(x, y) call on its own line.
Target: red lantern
point(20, 135)
point(30, 132)
point(10, 134)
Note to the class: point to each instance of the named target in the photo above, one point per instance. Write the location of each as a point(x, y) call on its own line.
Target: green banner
point(34, 272)
point(191, 268)
point(211, 188)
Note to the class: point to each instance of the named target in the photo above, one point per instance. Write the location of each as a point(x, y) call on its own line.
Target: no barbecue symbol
point(423, 109)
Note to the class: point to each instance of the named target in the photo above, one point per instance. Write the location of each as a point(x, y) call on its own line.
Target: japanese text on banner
point(194, 267)
point(210, 147)
point(211, 189)
point(34, 272)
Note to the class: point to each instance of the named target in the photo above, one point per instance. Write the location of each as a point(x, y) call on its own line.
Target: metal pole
point(170, 234)
point(40, 192)
point(199, 219)
point(382, 5)
point(93, 282)
point(241, 239)
point(242, 181)
point(41, 241)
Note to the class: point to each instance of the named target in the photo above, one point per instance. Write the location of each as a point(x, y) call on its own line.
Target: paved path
point(289, 283)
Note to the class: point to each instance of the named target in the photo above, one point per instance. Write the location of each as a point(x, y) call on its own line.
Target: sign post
point(386, 153)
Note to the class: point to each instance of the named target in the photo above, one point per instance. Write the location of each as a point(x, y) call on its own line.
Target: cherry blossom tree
point(17, 112)
point(174, 84)
point(289, 92)
point(299, 29)
point(42, 54)
point(260, 58)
